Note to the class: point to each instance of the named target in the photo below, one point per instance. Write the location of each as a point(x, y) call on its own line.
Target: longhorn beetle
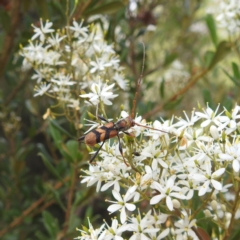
point(111, 129)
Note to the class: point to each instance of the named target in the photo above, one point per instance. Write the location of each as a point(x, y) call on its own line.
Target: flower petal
point(169, 203)
point(156, 199)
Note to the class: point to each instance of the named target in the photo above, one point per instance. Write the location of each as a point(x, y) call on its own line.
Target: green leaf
point(56, 5)
point(61, 129)
point(235, 69)
point(72, 147)
point(235, 234)
point(233, 79)
point(47, 160)
point(51, 224)
point(207, 97)
point(55, 133)
point(58, 199)
point(169, 58)
point(223, 49)
point(208, 57)
point(212, 29)
point(109, 8)
point(228, 103)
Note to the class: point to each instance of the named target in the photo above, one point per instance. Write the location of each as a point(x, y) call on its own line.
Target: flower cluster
point(176, 76)
point(177, 173)
point(69, 60)
point(227, 15)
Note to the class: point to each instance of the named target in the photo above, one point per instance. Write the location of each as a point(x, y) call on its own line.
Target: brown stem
point(234, 210)
point(29, 210)
point(45, 206)
point(21, 218)
point(15, 90)
point(70, 199)
point(191, 82)
point(10, 35)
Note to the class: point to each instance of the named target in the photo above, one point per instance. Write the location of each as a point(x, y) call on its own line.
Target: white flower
point(185, 226)
point(95, 175)
point(188, 188)
point(63, 80)
point(34, 54)
point(142, 226)
point(99, 65)
point(114, 61)
point(159, 130)
point(41, 74)
point(155, 152)
point(119, 78)
point(233, 121)
point(151, 174)
point(122, 203)
point(79, 30)
point(182, 123)
point(228, 16)
point(100, 93)
point(92, 234)
point(211, 117)
point(232, 154)
point(208, 178)
point(41, 89)
point(114, 232)
point(167, 191)
point(40, 32)
point(55, 40)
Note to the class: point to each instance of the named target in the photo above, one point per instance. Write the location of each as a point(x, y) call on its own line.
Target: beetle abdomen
point(100, 134)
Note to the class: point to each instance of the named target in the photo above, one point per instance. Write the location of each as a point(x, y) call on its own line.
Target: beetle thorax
point(124, 124)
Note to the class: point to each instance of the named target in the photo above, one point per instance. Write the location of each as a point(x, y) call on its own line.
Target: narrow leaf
point(223, 49)
point(212, 29)
point(47, 160)
point(235, 70)
point(233, 79)
point(57, 197)
point(61, 129)
point(51, 224)
point(55, 133)
point(207, 98)
point(72, 147)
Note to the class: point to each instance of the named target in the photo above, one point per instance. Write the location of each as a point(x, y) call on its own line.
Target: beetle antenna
point(138, 83)
point(153, 129)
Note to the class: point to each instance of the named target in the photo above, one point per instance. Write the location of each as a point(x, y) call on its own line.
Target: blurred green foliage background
point(189, 62)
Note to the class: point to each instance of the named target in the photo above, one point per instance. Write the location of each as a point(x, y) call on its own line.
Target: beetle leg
point(96, 153)
point(81, 138)
point(121, 151)
point(102, 118)
point(130, 134)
